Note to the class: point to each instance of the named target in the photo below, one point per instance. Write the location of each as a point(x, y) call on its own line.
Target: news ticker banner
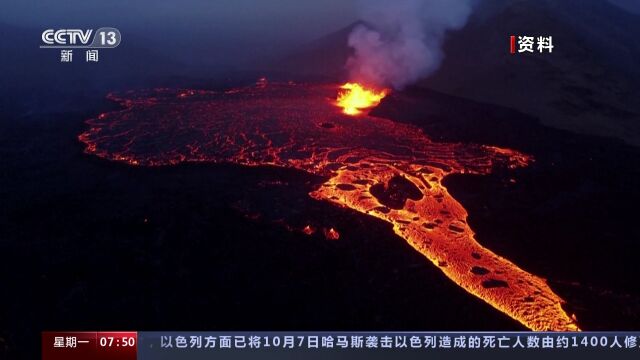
point(147, 345)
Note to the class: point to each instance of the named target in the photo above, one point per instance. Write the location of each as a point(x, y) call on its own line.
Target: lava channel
point(378, 167)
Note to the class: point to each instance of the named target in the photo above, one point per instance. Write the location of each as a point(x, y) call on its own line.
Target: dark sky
point(630, 5)
point(194, 31)
point(288, 19)
point(295, 17)
point(190, 27)
point(268, 19)
point(307, 16)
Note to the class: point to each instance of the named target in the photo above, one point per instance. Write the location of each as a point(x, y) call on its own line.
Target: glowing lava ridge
point(366, 161)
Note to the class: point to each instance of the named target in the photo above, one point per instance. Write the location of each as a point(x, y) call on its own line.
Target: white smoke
point(402, 39)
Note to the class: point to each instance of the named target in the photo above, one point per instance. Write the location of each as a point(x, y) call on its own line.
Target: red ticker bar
point(82, 345)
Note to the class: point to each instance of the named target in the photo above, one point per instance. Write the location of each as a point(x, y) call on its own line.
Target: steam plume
point(402, 40)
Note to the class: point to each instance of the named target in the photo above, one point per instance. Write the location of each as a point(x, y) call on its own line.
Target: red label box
point(83, 345)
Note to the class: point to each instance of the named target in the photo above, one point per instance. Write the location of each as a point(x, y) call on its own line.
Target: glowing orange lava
point(331, 234)
point(308, 230)
point(381, 168)
point(353, 98)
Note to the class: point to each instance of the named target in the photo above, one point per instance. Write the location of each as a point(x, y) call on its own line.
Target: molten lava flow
point(353, 98)
point(388, 170)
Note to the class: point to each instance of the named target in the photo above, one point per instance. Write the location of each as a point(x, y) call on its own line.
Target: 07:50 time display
point(109, 341)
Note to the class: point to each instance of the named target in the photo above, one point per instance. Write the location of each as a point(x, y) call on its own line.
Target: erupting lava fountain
point(353, 98)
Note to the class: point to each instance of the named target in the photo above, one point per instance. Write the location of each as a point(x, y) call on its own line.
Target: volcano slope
point(375, 166)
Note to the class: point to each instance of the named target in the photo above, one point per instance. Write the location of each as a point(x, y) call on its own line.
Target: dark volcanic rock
point(395, 193)
point(493, 283)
